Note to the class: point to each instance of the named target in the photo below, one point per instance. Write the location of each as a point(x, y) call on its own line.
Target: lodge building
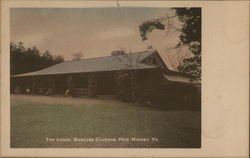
point(140, 76)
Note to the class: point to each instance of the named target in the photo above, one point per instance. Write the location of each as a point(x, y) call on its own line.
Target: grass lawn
point(36, 118)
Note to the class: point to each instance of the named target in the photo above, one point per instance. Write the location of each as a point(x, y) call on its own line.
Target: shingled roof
point(99, 64)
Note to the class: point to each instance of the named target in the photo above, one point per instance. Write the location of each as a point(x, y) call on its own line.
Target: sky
point(92, 31)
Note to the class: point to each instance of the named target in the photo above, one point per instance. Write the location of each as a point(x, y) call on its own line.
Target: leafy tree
point(47, 58)
point(126, 81)
point(24, 60)
point(190, 36)
point(58, 59)
point(149, 26)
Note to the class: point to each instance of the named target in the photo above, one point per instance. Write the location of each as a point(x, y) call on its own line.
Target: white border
point(225, 81)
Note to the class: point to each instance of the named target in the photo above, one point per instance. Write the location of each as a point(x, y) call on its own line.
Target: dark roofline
point(146, 51)
point(81, 60)
point(90, 72)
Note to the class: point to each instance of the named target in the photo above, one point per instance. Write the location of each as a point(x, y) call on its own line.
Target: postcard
point(124, 79)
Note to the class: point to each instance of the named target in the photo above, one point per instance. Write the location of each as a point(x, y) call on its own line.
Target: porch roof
point(180, 78)
point(99, 64)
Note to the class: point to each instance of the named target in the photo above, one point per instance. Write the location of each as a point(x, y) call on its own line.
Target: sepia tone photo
point(107, 77)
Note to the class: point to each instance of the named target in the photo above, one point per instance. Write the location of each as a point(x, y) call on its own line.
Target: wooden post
point(117, 87)
point(123, 84)
point(70, 86)
point(33, 85)
point(92, 86)
point(50, 88)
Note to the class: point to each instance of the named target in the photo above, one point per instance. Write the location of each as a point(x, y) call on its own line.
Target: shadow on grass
point(169, 106)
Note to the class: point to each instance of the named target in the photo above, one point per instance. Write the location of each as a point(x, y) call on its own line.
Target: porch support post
point(33, 85)
point(51, 86)
point(92, 86)
point(123, 86)
point(70, 86)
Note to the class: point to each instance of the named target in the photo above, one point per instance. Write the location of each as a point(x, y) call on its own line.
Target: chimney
point(117, 52)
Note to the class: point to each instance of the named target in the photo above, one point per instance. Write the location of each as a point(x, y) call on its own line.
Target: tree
point(58, 59)
point(126, 81)
point(176, 58)
point(190, 36)
point(77, 56)
point(24, 60)
point(47, 58)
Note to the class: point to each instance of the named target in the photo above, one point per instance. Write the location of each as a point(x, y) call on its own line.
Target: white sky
point(92, 31)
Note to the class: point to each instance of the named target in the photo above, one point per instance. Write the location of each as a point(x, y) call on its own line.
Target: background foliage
point(24, 60)
point(190, 36)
